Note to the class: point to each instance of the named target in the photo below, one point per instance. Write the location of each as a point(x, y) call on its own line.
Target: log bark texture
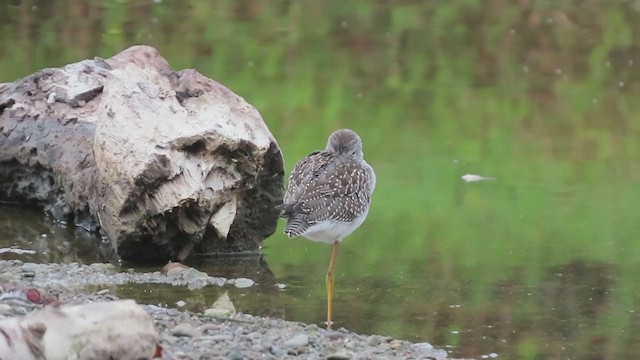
point(163, 163)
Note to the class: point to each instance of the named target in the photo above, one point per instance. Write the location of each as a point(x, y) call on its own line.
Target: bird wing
point(324, 187)
point(303, 174)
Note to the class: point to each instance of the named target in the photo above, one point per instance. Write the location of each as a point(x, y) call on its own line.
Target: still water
point(541, 263)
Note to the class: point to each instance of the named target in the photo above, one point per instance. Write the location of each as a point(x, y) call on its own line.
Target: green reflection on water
point(541, 263)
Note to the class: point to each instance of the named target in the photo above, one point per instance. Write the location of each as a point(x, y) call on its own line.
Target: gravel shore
point(209, 335)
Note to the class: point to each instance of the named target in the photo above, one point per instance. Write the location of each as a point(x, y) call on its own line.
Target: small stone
point(5, 309)
point(209, 327)
point(217, 338)
point(243, 283)
point(222, 307)
point(340, 355)
point(103, 267)
point(374, 340)
point(184, 329)
point(423, 346)
point(297, 341)
point(234, 354)
point(28, 274)
point(180, 303)
point(277, 351)
point(217, 313)
point(312, 327)
point(192, 274)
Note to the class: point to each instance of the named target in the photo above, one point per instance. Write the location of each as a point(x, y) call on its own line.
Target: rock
point(174, 266)
point(103, 267)
point(340, 355)
point(163, 163)
point(374, 340)
point(184, 329)
point(243, 283)
point(103, 330)
point(277, 351)
point(423, 346)
point(216, 338)
point(297, 341)
point(234, 354)
point(222, 307)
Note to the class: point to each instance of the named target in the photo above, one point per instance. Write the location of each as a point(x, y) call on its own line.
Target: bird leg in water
point(329, 283)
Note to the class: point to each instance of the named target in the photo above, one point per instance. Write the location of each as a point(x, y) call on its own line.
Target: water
point(541, 263)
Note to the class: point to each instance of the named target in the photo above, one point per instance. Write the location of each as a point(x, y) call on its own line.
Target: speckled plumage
point(329, 191)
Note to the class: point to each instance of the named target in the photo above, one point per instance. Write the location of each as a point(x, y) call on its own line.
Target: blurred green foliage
point(540, 94)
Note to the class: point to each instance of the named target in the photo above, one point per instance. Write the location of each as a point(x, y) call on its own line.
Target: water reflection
point(45, 241)
point(569, 313)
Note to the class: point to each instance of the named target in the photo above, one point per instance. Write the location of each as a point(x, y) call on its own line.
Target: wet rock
point(222, 307)
point(171, 265)
point(242, 282)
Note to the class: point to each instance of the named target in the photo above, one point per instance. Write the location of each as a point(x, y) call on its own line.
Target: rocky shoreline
point(218, 334)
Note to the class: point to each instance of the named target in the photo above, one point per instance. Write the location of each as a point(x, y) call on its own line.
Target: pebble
point(243, 283)
point(184, 329)
point(340, 356)
point(234, 354)
point(217, 338)
point(297, 341)
point(277, 351)
point(374, 340)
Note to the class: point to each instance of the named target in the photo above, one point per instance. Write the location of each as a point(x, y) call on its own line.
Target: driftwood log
point(162, 163)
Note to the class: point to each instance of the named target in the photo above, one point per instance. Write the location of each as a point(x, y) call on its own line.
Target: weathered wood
point(161, 162)
point(106, 330)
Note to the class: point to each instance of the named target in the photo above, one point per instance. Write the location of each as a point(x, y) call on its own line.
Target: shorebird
point(328, 196)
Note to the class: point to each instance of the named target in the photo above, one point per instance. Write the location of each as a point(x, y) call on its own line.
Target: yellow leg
point(329, 283)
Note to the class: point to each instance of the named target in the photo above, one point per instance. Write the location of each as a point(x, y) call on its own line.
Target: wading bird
point(328, 196)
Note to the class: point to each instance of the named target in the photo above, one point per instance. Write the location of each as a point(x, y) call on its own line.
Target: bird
point(328, 197)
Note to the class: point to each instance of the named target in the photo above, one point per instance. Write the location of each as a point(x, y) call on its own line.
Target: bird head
point(345, 141)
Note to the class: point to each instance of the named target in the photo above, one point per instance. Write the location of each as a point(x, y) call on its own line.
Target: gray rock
point(277, 351)
point(374, 340)
point(218, 338)
point(297, 341)
point(341, 355)
point(184, 329)
point(243, 283)
point(234, 354)
point(423, 346)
